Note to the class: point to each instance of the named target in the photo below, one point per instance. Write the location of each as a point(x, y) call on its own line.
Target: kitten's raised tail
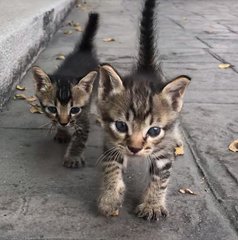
point(90, 31)
point(147, 48)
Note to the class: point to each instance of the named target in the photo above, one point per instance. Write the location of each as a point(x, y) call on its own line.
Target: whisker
point(44, 125)
point(52, 128)
point(105, 154)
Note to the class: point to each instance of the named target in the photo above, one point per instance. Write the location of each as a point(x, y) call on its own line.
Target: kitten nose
point(134, 150)
point(63, 124)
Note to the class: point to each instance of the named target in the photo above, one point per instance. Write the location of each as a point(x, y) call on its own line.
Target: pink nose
point(134, 150)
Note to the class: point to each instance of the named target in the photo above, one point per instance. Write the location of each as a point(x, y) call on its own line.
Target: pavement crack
point(25, 205)
point(222, 60)
point(177, 23)
point(209, 181)
point(202, 41)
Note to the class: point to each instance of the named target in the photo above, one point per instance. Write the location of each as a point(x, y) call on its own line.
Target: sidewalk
point(40, 199)
point(25, 28)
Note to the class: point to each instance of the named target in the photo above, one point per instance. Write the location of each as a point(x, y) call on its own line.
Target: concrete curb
point(20, 45)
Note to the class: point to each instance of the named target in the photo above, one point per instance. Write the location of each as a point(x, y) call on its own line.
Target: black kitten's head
point(61, 98)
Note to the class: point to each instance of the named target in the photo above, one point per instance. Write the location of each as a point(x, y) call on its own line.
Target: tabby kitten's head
point(137, 118)
point(61, 98)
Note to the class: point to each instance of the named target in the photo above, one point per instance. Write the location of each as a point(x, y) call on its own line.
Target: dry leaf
point(18, 87)
point(234, 146)
point(60, 57)
point(68, 32)
point(82, 6)
point(35, 109)
point(109, 40)
point(186, 190)
point(20, 96)
point(31, 99)
point(224, 65)
point(76, 25)
point(78, 29)
point(179, 151)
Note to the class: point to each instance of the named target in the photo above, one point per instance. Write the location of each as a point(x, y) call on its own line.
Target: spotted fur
point(65, 95)
point(139, 114)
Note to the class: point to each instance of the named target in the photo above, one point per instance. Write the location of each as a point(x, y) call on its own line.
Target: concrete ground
point(40, 199)
point(26, 27)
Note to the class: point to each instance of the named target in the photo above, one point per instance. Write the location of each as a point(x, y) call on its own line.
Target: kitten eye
point(75, 110)
point(52, 109)
point(121, 126)
point(154, 131)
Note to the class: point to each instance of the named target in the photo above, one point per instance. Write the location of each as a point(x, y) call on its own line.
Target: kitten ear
point(86, 83)
point(41, 78)
point(109, 81)
point(174, 92)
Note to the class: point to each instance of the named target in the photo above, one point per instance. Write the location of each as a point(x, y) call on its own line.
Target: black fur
point(79, 63)
point(146, 61)
point(89, 33)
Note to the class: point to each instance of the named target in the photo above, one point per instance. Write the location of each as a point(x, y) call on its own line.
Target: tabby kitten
point(139, 114)
point(65, 95)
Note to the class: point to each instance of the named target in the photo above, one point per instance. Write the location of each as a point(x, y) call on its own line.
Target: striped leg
point(62, 135)
point(113, 188)
point(153, 201)
point(73, 157)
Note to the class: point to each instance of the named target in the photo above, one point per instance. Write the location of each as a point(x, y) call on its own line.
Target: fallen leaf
point(78, 29)
point(18, 87)
point(186, 190)
point(76, 25)
point(31, 99)
point(82, 6)
point(60, 57)
point(20, 97)
point(35, 109)
point(68, 32)
point(224, 65)
point(209, 31)
point(179, 151)
point(234, 146)
point(109, 40)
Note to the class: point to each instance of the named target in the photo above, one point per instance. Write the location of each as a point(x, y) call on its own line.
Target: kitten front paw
point(110, 202)
point(62, 137)
point(151, 211)
point(73, 162)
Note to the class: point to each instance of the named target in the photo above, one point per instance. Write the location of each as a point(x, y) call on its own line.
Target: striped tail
point(147, 48)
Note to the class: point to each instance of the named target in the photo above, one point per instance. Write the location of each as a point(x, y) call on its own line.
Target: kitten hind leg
point(62, 135)
point(113, 189)
point(153, 201)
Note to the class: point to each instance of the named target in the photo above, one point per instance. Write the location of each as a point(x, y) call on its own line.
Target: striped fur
point(65, 95)
point(139, 114)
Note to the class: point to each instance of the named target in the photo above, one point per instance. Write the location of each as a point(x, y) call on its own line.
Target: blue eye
point(52, 109)
point(121, 126)
point(154, 131)
point(75, 110)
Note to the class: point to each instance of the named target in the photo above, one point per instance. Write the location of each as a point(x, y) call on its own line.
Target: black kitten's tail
point(90, 31)
point(147, 48)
